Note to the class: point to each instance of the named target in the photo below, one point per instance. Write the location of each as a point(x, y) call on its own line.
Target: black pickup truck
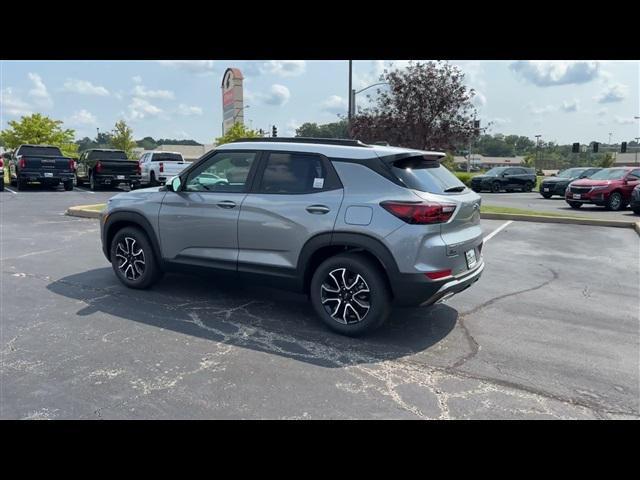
point(40, 163)
point(100, 167)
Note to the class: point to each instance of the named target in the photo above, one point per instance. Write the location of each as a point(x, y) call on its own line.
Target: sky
point(564, 101)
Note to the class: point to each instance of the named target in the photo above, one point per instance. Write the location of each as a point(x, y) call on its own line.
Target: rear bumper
point(554, 189)
point(413, 290)
point(112, 179)
point(39, 176)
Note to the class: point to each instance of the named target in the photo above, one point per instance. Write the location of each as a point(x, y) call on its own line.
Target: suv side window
point(634, 175)
point(223, 172)
point(291, 173)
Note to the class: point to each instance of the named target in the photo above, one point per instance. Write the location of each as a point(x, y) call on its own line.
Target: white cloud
point(192, 66)
point(552, 73)
point(540, 110)
point(83, 117)
point(143, 92)
point(137, 79)
point(39, 92)
point(624, 120)
point(12, 104)
point(284, 68)
point(570, 106)
point(602, 112)
point(84, 87)
point(140, 108)
point(479, 100)
point(278, 95)
point(499, 122)
point(335, 104)
point(189, 110)
point(292, 126)
point(612, 93)
point(362, 80)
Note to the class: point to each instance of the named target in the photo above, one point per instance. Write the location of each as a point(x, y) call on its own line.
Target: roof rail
point(325, 141)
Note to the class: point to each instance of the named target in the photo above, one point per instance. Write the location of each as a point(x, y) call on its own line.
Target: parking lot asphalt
point(557, 205)
point(551, 330)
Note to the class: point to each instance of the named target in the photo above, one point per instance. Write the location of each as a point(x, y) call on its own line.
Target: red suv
point(610, 188)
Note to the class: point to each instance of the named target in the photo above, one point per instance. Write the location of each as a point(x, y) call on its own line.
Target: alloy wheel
point(132, 264)
point(345, 296)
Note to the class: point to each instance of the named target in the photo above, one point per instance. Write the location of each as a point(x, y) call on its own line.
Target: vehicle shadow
point(255, 317)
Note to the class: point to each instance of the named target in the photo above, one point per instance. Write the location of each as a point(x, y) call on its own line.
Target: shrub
point(465, 177)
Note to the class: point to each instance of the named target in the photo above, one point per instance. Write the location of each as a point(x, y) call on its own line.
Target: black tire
point(377, 299)
point(636, 211)
point(575, 204)
point(93, 185)
point(130, 271)
point(68, 186)
point(77, 182)
point(528, 187)
point(2, 184)
point(152, 180)
point(615, 202)
point(495, 187)
point(547, 195)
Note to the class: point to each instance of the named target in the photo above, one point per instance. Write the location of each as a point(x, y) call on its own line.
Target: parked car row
point(557, 185)
point(47, 166)
point(609, 187)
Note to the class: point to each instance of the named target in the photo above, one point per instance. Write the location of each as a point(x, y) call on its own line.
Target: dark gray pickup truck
point(106, 167)
point(43, 164)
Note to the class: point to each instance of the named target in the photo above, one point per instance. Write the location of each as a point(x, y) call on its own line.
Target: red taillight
point(1, 163)
point(161, 167)
point(420, 213)
point(22, 163)
point(438, 274)
point(98, 166)
point(72, 164)
point(139, 169)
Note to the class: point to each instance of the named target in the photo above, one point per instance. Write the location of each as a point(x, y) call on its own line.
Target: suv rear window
point(166, 157)
point(426, 175)
point(106, 155)
point(40, 151)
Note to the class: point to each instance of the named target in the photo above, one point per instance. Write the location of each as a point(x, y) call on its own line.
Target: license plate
point(576, 196)
point(471, 258)
point(120, 177)
point(48, 174)
point(546, 189)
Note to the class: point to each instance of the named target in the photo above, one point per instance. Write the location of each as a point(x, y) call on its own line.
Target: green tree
point(39, 129)
point(327, 130)
point(236, 132)
point(449, 163)
point(607, 161)
point(122, 138)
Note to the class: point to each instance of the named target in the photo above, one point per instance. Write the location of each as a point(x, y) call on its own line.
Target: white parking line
point(15, 193)
point(496, 231)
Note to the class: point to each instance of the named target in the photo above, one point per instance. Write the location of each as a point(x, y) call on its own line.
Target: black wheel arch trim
point(134, 218)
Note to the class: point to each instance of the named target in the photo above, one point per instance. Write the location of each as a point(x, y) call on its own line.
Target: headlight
point(601, 187)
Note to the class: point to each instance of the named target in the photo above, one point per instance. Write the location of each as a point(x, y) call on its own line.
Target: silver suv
point(357, 227)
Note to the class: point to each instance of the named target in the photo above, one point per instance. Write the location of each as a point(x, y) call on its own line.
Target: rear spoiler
point(426, 156)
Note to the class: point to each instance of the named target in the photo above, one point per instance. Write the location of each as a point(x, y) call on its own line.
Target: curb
point(81, 211)
point(571, 220)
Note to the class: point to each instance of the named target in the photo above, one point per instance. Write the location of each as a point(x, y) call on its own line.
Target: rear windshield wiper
point(455, 189)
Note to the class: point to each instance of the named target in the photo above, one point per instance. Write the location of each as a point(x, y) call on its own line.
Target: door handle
point(226, 204)
point(318, 209)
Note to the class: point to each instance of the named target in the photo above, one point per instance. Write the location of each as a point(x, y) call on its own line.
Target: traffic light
point(575, 148)
point(623, 147)
point(595, 147)
point(261, 132)
point(476, 127)
point(274, 131)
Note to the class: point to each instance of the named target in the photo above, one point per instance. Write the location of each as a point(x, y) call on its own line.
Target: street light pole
point(538, 151)
point(350, 112)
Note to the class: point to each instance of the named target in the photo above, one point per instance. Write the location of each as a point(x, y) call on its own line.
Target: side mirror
point(174, 184)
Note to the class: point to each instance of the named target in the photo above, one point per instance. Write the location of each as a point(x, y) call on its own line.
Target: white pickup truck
point(157, 167)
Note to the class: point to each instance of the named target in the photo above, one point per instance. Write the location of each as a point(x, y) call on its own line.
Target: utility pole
point(350, 112)
point(538, 151)
point(637, 140)
point(610, 138)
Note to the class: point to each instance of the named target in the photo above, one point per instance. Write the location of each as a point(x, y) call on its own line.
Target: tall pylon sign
point(232, 101)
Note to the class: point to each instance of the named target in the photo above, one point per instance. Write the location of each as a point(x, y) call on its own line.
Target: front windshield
point(494, 172)
point(609, 174)
point(571, 172)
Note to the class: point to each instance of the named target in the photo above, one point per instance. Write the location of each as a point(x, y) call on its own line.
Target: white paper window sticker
point(318, 182)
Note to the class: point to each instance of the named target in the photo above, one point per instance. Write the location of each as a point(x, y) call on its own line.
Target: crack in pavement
point(473, 344)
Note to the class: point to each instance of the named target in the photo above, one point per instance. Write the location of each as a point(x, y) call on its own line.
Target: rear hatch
point(434, 183)
point(114, 163)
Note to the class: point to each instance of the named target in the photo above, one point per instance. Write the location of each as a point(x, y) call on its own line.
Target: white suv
point(156, 167)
